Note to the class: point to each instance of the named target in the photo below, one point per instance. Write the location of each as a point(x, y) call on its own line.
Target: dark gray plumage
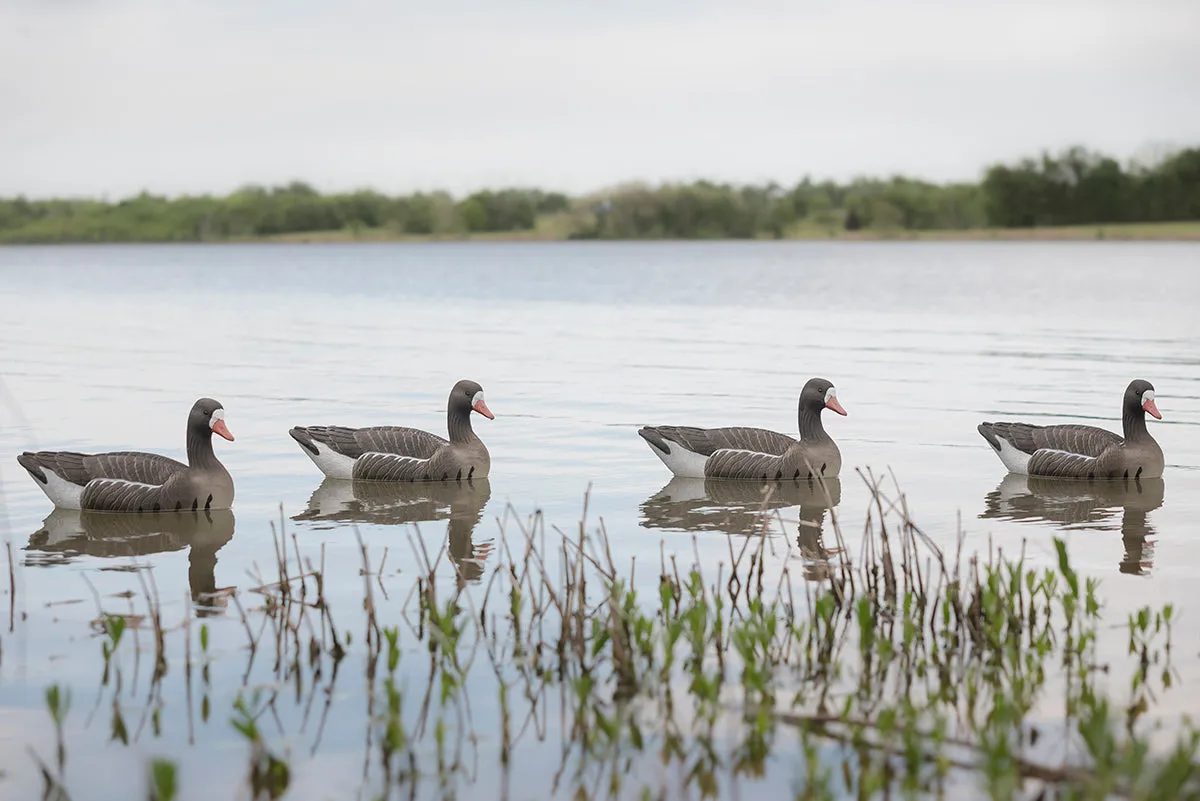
point(131, 481)
point(398, 453)
point(754, 453)
point(796, 464)
point(80, 468)
point(707, 441)
point(1081, 451)
point(354, 442)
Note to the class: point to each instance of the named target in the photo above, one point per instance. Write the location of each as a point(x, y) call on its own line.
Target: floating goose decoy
point(129, 481)
point(754, 453)
point(1079, 451)
point(396, 453)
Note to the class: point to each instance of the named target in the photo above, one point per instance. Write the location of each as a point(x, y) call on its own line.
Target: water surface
point(576, 345)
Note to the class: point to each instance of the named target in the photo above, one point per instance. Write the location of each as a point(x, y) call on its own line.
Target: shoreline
point(547, 231)
point(1118, 232)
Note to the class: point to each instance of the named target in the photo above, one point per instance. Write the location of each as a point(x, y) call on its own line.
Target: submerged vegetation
point(904, 670)
point(1075, 188)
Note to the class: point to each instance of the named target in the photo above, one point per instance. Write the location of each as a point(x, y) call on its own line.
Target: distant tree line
point(1081, 187)
point(1076, 187)
point(256, 211)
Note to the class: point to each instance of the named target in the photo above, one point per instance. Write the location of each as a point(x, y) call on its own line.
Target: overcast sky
point(109, 97)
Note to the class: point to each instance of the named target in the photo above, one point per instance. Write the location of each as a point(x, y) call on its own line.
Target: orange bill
point(482, 408)
point(219, 428)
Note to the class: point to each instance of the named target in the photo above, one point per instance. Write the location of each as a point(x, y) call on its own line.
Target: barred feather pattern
point(707, 441)
point(1077, 451)
point(390, 467)
point(354, 442)
point(745, 465)
point(796, 464)
point(118, 495)
point(1071, 439)
point(80, 468)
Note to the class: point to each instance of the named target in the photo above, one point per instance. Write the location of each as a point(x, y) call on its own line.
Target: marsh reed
point(902, 670)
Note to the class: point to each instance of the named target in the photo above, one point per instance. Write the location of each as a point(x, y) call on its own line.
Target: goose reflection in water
point(387, 503)
point(749, 508)
point(1084, 505)
point(67, 533)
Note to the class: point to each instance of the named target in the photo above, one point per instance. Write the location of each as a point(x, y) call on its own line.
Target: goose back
point(400, 453)
point(133, 481)
point(80, 468)
point(742, 452)
point(354, 442)
point(707, 441)
point(1082, 451)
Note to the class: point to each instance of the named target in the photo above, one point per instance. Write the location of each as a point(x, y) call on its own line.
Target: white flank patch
point(681, 461)
point(62, 493)
point(1017, 461)
point(330, 462)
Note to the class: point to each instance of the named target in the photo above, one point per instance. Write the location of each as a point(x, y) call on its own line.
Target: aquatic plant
point(902, 670)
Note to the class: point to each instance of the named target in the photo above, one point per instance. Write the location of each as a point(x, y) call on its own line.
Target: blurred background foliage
point(1075, 187)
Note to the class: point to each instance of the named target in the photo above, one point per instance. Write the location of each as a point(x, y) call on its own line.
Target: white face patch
point(1148, 395)
point(477, 397)
point(218, 414)
point(830, 393)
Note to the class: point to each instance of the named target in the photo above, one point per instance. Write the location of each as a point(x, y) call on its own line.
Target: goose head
point(818, 394)
point(466, 397)
point(207, 418)
point(1140, 395)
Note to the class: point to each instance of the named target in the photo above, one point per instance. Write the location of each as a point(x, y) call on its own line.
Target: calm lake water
point(576, 346)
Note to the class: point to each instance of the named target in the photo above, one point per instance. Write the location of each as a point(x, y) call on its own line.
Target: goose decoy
point(1079, 451)
point(754, 453)
point(129, 481)
point(396, 453)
